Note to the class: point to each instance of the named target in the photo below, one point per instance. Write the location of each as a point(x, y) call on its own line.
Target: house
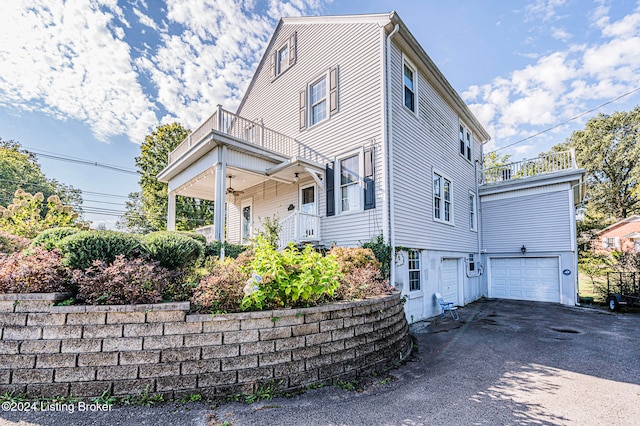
point(623, 235)
point(349, 131)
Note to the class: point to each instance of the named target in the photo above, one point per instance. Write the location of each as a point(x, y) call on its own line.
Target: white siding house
point(343, 142)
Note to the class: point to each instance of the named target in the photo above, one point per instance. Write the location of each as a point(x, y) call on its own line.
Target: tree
point(190, 212)
point(493, 159)
point(24, 216)
point(20, 170)
point(134, 219)
point(609, 150)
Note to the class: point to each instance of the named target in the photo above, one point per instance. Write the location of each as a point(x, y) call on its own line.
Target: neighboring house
point(623, 235)
point(348, 131)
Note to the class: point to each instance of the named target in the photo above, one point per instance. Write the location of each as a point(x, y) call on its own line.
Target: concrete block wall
point(48, 350)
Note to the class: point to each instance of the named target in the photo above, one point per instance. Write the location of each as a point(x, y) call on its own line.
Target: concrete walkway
point(504, 363)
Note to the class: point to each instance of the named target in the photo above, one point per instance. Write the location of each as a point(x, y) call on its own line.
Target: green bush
point(196, 236)
point(10, 243)
point(82, 248)
point(288, 278)
point(382, 252)
point(173, 250)
point(230, 250)
point(49, 238)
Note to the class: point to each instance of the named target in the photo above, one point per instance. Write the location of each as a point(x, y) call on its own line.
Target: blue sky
point(89, 79)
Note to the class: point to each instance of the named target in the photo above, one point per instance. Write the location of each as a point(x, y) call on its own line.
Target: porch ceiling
point(204, 185)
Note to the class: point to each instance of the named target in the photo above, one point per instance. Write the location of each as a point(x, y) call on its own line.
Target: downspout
point(389, 100)
point(478, 215)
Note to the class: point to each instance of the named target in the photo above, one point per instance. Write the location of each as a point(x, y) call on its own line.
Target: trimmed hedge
point(172, 249)
point(49, 238)
point(82, 248)
point(198, 237)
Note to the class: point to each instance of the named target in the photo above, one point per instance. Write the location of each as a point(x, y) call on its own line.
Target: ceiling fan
point(230, 190)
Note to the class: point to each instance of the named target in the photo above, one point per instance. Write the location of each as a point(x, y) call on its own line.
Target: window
point(472, 262)
point(465, 142)
point(349, 183)
point(246, 221)
point(318, 97)
point(473, 219)
point(409, 83)
point(442, 207)
point(414, 270)
point(611, 242)
point(282, 59)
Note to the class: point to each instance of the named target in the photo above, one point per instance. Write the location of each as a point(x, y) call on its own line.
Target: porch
point(226, 158)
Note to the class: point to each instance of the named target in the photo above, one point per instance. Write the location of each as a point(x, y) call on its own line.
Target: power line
point(104, 194)
point(86, 163)
point(565, 122)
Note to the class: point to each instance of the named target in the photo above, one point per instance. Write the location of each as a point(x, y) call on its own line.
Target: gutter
point(389, 142)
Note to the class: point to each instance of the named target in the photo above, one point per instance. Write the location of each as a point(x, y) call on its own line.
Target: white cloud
point(560, 34)
point(544, 9)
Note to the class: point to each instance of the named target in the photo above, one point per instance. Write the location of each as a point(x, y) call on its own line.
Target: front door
point(246, 221)
point(309, 210)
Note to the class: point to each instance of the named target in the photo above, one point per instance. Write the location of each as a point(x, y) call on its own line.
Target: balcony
point(540, 166)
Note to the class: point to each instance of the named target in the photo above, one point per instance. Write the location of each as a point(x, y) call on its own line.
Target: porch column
point(171, 212)
point(219, 216)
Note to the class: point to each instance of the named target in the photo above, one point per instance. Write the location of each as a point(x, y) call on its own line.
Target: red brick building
point(623, 235)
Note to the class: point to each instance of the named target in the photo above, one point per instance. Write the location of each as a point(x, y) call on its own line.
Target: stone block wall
point(50, 350)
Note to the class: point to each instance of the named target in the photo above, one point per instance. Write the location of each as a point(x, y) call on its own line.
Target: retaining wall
point(50, 350)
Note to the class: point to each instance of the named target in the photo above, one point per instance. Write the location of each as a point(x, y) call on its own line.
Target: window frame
point(471, 262)
point(465, 140)
point(441, 196)
point(359, 181)
point(279, 68)
point(325, 99)
point(416, 270)
point(473, 211)
point(406, 62)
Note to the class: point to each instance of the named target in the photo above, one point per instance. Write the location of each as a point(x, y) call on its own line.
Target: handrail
point(544, 164)
point(251, 131)
point(298, 227)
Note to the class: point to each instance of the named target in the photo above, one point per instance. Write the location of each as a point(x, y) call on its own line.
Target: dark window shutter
point(369, 180)
point(330, 190)
point(273, 64)
point(292, 49)
point(333, 91)
point(303, 109)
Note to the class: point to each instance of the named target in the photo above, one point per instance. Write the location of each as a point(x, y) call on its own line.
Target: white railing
point(208, 232)
point(545, 164)
point(300, 228)
point(253, 132)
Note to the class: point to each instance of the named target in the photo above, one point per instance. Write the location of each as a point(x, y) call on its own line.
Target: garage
point(525, 278)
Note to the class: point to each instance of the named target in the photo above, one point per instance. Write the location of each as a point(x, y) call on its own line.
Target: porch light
point(523, 249)
point(295, 178)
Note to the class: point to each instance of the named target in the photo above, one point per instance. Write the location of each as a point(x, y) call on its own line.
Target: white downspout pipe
point(389, 141)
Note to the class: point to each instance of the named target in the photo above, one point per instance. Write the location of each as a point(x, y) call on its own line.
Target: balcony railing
point(253, 132)
point(542, 165)
point(298, 227)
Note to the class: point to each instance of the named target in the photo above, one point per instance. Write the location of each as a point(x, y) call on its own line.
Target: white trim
point(247, 202)
point(360, 183)
point(467, 134)
point(322, 76)
point(407, 61)
point(544, 189)
point(451, 222)
point(419, 270)
point(474, 226)
point(315, 196)
point(278, 69)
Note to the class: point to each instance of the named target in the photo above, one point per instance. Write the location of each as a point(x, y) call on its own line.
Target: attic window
point(284, 57)
point(282, 60)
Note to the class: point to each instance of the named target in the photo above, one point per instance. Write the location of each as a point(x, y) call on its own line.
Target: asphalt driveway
point(504, 362)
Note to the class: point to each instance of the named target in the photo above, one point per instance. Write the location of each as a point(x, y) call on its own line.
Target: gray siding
point(358, 122)
point(541, 222)
point(421, 144)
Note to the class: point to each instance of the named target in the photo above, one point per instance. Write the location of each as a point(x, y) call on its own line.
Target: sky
point(86, 80)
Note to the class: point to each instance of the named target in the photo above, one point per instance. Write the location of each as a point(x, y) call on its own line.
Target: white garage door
point(525, 278)
point(449, 282)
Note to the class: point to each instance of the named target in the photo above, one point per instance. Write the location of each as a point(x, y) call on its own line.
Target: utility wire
point(564, 122)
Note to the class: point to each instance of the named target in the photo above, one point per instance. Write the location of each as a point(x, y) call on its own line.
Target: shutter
point(273, 65)
point(333, 91)
point(303, 109)
point(329, 184)
point(292, 49)
point(369, 180)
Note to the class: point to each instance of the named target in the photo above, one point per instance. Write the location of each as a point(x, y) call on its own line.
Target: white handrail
point(298, 227)
point(544, 164)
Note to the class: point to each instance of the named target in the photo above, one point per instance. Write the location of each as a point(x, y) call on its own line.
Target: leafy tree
point(134, 219)
point(609, 149)
point(24, 216)
point(190, 212)
point(594, 265)
point(20, 170)
point(493, 159)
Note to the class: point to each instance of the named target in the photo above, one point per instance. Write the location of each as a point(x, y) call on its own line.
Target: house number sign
point(567, 272)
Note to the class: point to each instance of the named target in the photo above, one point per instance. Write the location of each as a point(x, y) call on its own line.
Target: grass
point(587, 288)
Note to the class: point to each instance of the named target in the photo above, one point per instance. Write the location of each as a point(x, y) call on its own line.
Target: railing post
point(574, 162)
point(261, 132)
point(220, 118)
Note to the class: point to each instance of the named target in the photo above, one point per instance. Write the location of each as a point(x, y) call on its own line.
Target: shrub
point(125, 282)
point(382, 252)
point(222, 290)
point(361, 282)
point(230, 250)
point(192, 234)
point(172, 250)
point(288, 278)
point(10, 243)
point(350, 258)
point(40, 271)
point(84, 247)
point(49, 238)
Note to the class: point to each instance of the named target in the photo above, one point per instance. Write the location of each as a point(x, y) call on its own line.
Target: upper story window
point(349, 183)
point(282, 62)
point(319, 99)
point(442, 206)
point(473, 218)
point(284, 56)
point(409, 74)
point(465, 142)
